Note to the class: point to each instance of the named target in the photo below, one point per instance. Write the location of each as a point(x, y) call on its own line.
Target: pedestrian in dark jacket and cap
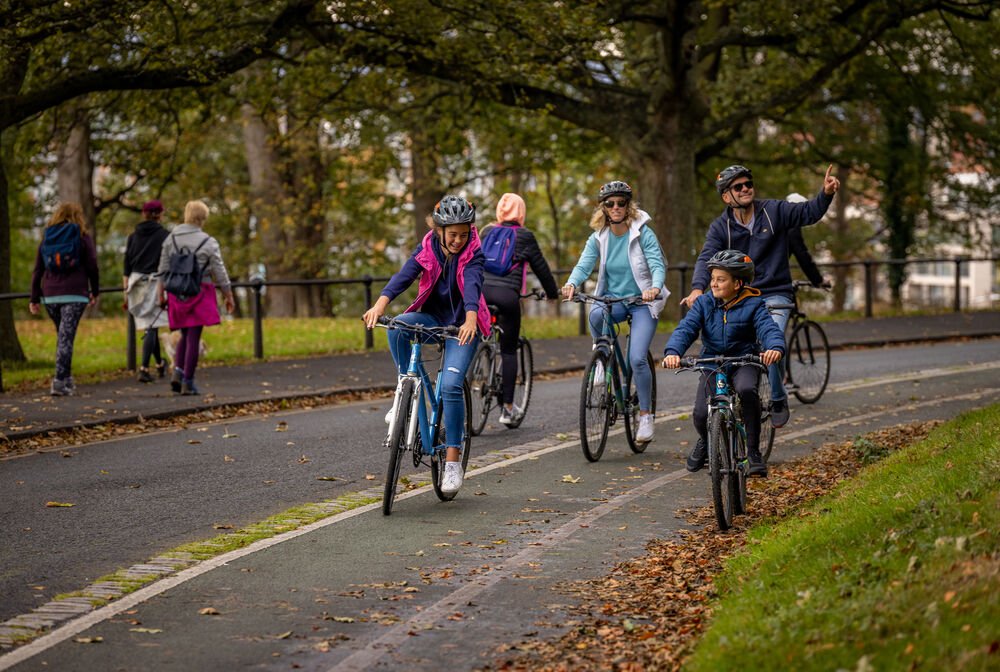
point(142, 258)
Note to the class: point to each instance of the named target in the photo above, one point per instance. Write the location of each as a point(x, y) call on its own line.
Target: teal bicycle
point(608, 390)
point(413, 431)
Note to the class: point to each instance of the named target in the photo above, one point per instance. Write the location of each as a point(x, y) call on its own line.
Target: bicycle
point(602, 396)
point(486, 379)
point(411, 430)
point(728, 461)
point(807, 362)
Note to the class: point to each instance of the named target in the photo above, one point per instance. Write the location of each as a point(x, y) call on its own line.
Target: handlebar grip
point(688, 362)
point(384, 320)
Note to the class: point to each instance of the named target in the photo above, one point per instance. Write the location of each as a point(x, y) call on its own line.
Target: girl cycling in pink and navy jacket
point(449, 265)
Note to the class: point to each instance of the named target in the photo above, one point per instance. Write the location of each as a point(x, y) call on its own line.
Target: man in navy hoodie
point(759, 228)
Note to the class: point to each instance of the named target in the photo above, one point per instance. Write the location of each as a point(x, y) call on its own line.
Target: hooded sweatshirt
point(510, 212)
point(730, 329)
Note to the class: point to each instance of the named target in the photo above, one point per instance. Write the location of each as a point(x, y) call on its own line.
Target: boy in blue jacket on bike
point(733, 320)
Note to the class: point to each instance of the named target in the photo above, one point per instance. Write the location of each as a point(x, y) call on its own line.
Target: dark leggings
point(66, 317)
point(151, 346)
point(187, 351)
point(509, 318)
point(744, 381)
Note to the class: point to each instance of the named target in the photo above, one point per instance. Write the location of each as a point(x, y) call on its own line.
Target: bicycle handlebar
point(722, 360)
point(581, 297)
point(450, 331)
point(536, 294)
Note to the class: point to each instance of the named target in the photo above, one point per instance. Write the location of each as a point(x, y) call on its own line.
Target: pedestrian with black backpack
point(509, 248)
point(66, 280)
point(142, 258)
point(191, 268)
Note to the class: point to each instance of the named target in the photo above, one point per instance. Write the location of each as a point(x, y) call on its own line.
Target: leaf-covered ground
point(649, 612)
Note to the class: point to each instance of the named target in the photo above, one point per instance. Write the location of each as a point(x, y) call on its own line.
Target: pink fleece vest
point(432, 271)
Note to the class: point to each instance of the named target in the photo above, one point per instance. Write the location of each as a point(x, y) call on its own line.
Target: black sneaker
point(696, 459)
point(188, 389)
point(758, 467)
point(175, 381)
point(144, 376)
point(779, 413)
point(161, 370)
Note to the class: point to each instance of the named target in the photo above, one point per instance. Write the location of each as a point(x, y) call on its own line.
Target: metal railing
point(681, 272)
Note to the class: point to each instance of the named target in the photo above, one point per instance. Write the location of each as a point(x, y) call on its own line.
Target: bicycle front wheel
point(438, 458)
point(522, 387)
point(396, 444)
point(808, 362)
point(480, 380)
point(595, 407)
point(632, 407)
point(719, 469)
point(766, 428)
point(740, 469)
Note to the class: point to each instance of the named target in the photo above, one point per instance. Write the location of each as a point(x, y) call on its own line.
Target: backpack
point(498, 248)
point(183, 275)
point(61, 248)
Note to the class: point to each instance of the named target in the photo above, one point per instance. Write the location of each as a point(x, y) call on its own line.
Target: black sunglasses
point(742, 185)
point(612, 203)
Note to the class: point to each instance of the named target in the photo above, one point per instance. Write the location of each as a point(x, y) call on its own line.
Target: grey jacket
point(209, 256)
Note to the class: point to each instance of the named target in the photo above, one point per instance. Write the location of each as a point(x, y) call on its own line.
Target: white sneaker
point(506, 417)
point(388, 416)
point(453, 477)
point(646, 428)
point(599, 371)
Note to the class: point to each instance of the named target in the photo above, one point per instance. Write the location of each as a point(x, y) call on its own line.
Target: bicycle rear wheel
point(595, 407)
point(438, 458)
point(480, 379)
point(766, 428)
point(522, 387)
point(808, 362)
point(719, 470)
point(396, 444)
point(632, 407)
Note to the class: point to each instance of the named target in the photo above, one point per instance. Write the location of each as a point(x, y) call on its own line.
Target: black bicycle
point(807, 362)
point(603, 396)
point(728, 461)
point(486, 379)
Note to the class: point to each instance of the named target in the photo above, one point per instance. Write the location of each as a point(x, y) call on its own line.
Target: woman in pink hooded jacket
point(449, 265)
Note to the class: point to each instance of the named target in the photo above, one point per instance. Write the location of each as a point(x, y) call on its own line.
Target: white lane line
point(75, 626)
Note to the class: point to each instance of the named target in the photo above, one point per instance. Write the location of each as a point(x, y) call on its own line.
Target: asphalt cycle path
point(445, 584)
point(139, 496)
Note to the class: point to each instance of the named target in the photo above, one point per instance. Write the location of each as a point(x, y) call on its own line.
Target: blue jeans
point(776, 372)
point(643, 330)
point(454, 363)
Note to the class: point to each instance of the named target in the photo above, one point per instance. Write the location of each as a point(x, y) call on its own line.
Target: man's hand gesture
point(830, 183)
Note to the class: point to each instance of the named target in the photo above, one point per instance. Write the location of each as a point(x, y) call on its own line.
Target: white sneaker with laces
point(505, 416)
point(453, 478)
point(646, 428)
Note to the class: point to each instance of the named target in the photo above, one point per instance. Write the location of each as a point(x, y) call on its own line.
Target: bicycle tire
point(522, 387)
point(595, 408)
point(480, 379)
point(718, 468)
point(437, 459)
point(396, 445)
point(740, 467)
point(808, 361)
point(766, 428)
point(632, 407)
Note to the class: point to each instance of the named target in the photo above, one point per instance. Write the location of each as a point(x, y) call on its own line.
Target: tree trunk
point(426, 187)
point(899, 218)
point(75, 168)
point(10, 346)
point(266, 198)
point(841, 229)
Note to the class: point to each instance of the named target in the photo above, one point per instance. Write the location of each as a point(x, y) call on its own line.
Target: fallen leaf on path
point(228, 458)
point(369, 477)
point(52, 505)
point(193, 441)
point(284, 635)
point(88, 640)
point(568, 478)
point(330, 478)
point(282, 427)
point(149, 631)
point(208, 611)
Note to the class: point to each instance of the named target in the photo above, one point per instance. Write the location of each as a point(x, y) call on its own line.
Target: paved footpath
point(23, 415)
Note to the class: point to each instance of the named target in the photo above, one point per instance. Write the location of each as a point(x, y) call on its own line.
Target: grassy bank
point(897, 569)
point(100, 351)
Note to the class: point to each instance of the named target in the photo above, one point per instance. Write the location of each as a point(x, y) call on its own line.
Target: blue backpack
point(61, 248)
point(498, 248)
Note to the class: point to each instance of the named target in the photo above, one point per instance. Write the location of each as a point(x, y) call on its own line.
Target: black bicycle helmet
point(733, 261)
point(615, 188)
point(726, 177)
point(454, 210)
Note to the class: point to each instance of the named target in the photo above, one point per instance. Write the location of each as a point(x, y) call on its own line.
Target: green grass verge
point(100, 347)
point(897, 569)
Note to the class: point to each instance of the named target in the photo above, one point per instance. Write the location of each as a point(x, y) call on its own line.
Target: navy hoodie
point(732, 329)
point(767, 245)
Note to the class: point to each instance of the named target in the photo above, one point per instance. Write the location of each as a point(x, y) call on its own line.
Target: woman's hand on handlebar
point(671, 362)
point(770, 357)
point(650, 294)
point(567, 291)
point(378, 310)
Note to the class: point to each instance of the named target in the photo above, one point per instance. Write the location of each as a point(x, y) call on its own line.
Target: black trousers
point(744, 381)
point(508, 301)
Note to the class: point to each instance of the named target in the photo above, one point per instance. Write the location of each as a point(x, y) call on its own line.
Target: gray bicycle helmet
point(735, 262)
point(454, 210)
point(724, 179)
point(615, 188)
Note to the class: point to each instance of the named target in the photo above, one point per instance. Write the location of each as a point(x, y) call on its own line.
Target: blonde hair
point(195, 212)
point(600, 217)
point(68, 212)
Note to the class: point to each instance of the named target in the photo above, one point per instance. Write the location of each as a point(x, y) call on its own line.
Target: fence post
point(683, 269)
point(369, 333)
point(958, 284)
point(258, 325)
point(130, 356)
point(869, 287)
point(582, 319)
point(1, 376)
